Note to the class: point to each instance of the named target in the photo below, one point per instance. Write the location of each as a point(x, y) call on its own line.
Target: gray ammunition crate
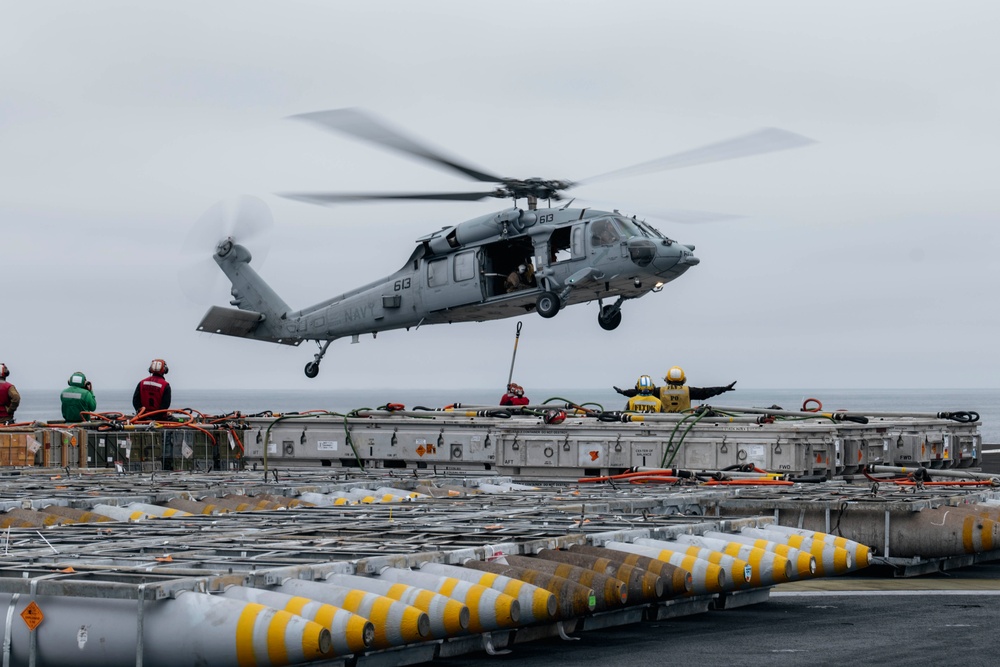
point(580, 446)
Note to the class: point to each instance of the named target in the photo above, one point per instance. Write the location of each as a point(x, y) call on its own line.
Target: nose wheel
point(312, 368)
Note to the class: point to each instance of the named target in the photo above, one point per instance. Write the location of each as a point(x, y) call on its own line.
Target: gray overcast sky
point(866, 260)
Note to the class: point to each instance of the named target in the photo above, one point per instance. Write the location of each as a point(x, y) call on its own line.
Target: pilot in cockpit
point(602, 233)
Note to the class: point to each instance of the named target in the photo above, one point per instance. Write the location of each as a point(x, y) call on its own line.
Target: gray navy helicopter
point(498, 265)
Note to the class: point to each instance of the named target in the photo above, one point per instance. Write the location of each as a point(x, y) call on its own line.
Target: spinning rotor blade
point(767, 140)
point(251, 218)
point(686, 216)
point(365, 126)
point(339, 197)
point(243, 219)
point(679, 215)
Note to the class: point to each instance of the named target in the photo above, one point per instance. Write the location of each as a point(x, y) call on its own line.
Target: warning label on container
point(327, 445)
point(32, 615)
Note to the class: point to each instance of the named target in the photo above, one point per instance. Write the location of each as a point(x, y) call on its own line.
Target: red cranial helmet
point(555, 416)
point(4, 371)
point(158, 367)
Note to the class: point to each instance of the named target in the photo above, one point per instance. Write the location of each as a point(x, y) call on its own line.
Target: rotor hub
point(539, 188)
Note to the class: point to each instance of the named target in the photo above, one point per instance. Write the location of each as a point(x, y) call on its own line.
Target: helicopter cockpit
point(639, 238)
point(604, 233)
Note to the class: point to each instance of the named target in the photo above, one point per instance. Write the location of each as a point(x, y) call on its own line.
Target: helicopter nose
point(674, 259)
point(641, 251)
point(687, 257)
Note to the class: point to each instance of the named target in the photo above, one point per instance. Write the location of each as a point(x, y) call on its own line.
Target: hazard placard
point(32, 615)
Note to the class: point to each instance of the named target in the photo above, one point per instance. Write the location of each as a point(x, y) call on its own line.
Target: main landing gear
point(610, 316)
point(312, 368)
point(547, 304)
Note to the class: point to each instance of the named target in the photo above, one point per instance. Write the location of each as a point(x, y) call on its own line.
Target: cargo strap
point(7, 629)
point(138, 622)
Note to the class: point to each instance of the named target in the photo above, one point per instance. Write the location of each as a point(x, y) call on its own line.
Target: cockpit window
point(603, 232)
point(651, 229)
point(630, 228)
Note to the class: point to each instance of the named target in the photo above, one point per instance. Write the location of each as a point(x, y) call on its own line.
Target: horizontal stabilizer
point(239, 323)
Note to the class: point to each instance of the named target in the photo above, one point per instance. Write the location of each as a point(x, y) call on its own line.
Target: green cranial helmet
point(77, 379)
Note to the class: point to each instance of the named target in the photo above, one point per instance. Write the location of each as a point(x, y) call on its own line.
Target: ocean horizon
point(43, 405)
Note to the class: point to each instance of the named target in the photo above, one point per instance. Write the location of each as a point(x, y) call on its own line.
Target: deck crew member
point(514, 396)
point(77, 398)
point(645, 400)
point(152, 395)
point(677, 396)
point(9, 398)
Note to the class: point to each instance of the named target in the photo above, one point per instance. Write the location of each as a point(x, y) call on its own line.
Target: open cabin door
point(502, 259)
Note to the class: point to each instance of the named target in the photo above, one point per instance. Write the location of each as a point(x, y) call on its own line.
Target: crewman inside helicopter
point(522, 277)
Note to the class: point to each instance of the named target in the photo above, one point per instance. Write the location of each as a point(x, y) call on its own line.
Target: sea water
point(39, 405)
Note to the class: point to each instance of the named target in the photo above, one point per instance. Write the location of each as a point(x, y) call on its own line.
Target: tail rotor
point(240, 220)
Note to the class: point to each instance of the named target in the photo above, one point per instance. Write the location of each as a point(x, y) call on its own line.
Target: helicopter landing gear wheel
point(312, 368)
point(609, 318)
point(547, 304)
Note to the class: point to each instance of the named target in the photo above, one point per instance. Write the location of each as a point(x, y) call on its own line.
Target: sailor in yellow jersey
point(645, 400)
point(677, 396)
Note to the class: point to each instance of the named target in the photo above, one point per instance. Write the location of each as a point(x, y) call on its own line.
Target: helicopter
point(498, 265)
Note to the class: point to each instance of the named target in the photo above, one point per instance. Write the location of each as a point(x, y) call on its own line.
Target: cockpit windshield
point(655, 232)
point(631, 228)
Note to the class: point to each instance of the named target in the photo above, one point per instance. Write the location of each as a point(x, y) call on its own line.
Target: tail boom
point(259, 314)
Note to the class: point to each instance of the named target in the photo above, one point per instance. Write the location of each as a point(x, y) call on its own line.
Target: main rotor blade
point(680, 215)
point(688, 216)
point(365, 126)
point(343, 197)
point(766, 140)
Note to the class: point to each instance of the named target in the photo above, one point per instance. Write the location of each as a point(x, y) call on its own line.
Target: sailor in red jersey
point(153, 393)
point(9, 398)
point(151, 396)
point(514, 396)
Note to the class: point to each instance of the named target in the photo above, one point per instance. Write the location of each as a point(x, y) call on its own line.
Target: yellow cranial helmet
point(675, 375)
point(644, 385)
